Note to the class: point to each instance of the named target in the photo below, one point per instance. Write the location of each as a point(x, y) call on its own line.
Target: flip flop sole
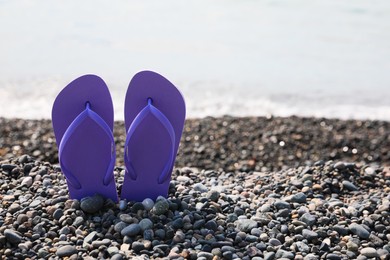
point(151, 143)
point(88, 150)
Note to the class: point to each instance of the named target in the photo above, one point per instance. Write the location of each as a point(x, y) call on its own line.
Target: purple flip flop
point(154, 119)
point(83, 120)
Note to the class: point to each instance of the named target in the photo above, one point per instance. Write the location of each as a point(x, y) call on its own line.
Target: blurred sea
point(300, 57)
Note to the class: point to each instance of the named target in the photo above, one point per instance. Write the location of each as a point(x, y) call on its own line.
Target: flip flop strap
point(148, 110)
point(87, 113)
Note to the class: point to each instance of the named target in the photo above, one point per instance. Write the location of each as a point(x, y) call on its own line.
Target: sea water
point(327, 58)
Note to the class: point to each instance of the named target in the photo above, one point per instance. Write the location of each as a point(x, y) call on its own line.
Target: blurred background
point(242, 58)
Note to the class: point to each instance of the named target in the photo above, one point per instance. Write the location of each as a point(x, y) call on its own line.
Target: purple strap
point(87, 113)
point(149, 109)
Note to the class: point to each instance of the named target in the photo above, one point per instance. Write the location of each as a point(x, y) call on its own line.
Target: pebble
point(350, 186)
point(67, 250)
point(12, 236)
point(284, 254)
point(200, 187)
point(137, 246)
point(213, 195)
point(309, 219)
point(369, 252)
point(299, 197)
point(359, 230)
point(148, 204)
point(161, 207)
point(308, 234)
point(131, 230)
point(245, 225)
point(145, 224)
point(92, 204)
point(27, 181)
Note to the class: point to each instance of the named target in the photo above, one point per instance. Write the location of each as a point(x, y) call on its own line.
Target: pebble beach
point(243, 188)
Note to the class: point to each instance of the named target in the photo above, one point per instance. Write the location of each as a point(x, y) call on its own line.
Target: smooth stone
point(145, 224)
point(246, 225)
point(161, 207)
point(200, 187)
point(206, 255)
point(284, 254)
point(177, 223)
point(274, 242)
point(67, 250)
point(131, 230)
point(349, 186)
point(302, 247)
point(27, 181)
point(120, 226)
point(280, 204)
point(137, 246)
point(309, 219)
point(299, 197)
point(12, 236)
point(211, 225)
point(78, 221)
point(58, 213)
point(89, 238)
point(333, 256)
point(179, 237)
point(112, 250)
point(199, 223)
point(369, 252)
point(183, 179)
point(340, 229)
point(213, 195)
point(269, 256)
point(308, 234)
point(92, 204)
point(148, 204)
point(339, 166)
point(148, 234)
point(359, 230)
point(35, 203)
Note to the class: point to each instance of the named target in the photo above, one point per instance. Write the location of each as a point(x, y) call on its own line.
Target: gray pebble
point(349, 186)
point(67, 250)
point(246, 225)
point(12, 236)
point(161, 207)
point(145, 224)
point(148, 204)
point(131, 230)
point(309, 219)
point(299, 197)
point(280, 204)
point(92, 204)
point(308, 234)
point(269, 255)
point(359, 230)
point(200, 187)
point(213, 195)
point(137, 246)
point(284, 254)
point(369, 252)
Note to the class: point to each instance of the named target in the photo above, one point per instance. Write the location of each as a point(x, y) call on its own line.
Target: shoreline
point(233, 143)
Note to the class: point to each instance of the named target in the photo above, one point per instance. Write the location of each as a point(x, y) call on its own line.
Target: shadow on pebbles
point(329, 210)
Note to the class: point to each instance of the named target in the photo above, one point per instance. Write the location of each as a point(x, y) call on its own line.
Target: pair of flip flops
point(83, 121)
